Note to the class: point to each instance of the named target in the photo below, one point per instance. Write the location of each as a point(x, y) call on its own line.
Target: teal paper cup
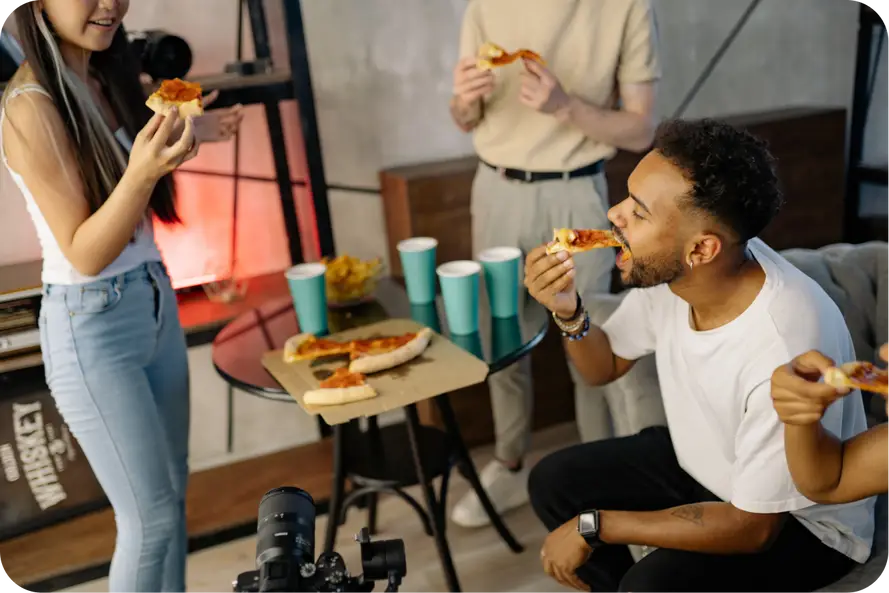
point(472, 343)
point(418, 262)
point(459, 289)
point(308, 289)
point(427, 315)
point(501, 269)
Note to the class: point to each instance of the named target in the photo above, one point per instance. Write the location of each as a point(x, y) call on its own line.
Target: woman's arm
point(828, 471)
point(38, 149)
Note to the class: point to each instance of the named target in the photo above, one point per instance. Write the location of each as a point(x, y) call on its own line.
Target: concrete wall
point(382, 76)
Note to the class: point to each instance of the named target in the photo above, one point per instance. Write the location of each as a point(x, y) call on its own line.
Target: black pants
point(641, 473)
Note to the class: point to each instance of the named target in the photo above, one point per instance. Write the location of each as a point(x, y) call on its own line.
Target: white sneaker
point(506, 489)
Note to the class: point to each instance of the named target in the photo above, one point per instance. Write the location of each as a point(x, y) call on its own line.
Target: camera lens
point(286, 529)
point(379, 558)
point(161, 55)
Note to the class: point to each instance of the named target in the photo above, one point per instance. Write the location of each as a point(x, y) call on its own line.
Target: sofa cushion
point(863, 576)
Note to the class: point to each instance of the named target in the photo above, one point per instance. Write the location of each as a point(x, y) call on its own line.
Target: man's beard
point(652, 271)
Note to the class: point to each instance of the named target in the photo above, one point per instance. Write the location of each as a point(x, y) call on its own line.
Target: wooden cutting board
point(442, 368)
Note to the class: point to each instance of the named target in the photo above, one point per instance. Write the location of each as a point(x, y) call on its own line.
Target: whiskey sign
point(45, 476)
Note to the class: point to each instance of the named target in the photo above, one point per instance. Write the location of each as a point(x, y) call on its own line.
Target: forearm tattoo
point(694, 513)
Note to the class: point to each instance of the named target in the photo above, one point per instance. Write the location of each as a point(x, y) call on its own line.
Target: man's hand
point(470, 83)
point(563, 552)
point(550, 281)
point(541, 90)
point(798, 396)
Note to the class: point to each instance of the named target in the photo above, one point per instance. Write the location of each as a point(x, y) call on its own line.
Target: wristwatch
point(588, 527)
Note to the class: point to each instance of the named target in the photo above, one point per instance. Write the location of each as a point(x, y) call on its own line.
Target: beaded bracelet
point(583, 332)
point(570, 326)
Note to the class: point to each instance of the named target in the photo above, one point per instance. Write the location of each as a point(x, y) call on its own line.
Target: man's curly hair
point(731, 171)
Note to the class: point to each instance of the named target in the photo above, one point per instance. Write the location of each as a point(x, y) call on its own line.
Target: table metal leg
point(373, 431)
point(339, 484)
point(441, 544)
point(468, 469)
point(230, 429)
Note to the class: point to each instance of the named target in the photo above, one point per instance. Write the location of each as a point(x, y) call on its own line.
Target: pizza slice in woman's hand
point(185, 96)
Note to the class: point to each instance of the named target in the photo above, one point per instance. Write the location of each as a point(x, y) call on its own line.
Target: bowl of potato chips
point(350, 280)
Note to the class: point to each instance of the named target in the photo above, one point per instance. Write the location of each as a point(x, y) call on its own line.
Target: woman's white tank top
point(56, 267)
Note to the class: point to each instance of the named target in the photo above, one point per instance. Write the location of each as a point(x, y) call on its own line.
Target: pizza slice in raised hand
point(491, 55)
point(187, 97)
point(858, 375)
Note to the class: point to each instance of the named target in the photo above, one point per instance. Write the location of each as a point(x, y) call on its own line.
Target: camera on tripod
point(285, 546)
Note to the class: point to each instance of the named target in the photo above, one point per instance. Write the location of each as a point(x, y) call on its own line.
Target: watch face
point(587, 525)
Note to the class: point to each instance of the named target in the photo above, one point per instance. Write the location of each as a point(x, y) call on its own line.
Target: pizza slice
point(858, 375)
point(342, 387)
point(578, 240)
point(491, 55)
point(309, 347)
point(389, 353)
point(186, 96)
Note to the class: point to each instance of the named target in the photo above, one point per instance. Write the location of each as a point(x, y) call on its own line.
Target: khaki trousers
point(516, 214)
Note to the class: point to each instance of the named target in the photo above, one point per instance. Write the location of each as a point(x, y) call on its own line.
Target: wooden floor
point(483, 562)
point(219, 499)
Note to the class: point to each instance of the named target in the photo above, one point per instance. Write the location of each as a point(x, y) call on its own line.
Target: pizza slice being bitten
point(187, 97)
point(579, 240)
point(858, 375)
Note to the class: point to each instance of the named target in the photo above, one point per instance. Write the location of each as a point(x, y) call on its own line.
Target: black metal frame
point(258, 89)
point(305, 97)
point(433, 515)
point(856, 173)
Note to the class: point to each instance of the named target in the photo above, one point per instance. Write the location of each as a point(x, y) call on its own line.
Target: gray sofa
point(855, 277)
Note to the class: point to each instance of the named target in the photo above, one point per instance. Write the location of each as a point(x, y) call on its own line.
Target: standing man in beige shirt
point(543, 134)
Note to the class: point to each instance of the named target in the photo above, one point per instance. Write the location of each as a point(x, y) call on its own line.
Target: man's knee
point(658, 571)
point(544, 490)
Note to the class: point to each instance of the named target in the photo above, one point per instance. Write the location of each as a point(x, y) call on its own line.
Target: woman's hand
point(151, 157)
point(798, 395)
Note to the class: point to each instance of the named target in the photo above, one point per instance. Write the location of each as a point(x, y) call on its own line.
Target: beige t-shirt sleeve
point(639, 60)
point(471, 32)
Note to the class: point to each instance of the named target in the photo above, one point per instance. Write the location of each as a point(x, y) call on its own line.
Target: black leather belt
point(534, 176)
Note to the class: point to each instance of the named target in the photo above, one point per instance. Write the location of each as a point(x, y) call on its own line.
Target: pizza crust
point(192, 108)
point(375, 363)
point(337, 396)
point(836, 378)
point(291, 347)
point(561, 241)
point(485, 54)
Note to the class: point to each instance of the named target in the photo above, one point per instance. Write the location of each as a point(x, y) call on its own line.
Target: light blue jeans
point(116, 365)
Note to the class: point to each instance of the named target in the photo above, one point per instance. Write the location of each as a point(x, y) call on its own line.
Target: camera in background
point(285, 548)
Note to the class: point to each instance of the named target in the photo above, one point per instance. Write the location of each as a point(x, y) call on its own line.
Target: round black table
point(239, 346)
point(380, 462)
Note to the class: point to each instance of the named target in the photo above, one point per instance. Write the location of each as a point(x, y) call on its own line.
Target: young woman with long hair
point(93, 165)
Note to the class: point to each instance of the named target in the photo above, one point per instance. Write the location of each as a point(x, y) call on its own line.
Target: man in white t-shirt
point(711, 492)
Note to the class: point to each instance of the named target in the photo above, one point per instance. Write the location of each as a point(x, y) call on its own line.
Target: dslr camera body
point(285, 548)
